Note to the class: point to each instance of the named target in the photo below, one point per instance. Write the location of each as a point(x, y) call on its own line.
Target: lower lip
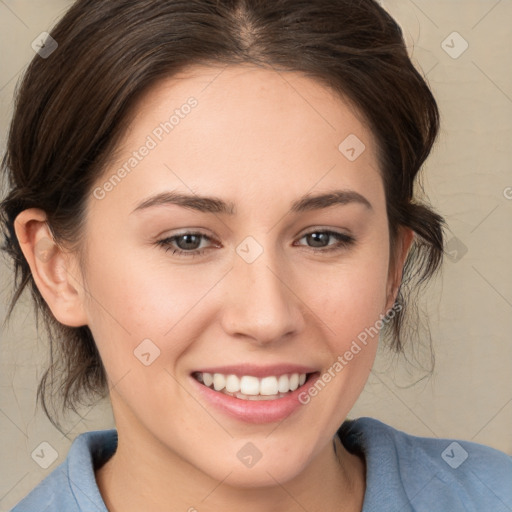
point(255, 411)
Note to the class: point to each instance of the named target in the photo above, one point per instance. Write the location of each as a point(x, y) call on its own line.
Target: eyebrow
point(208, 204)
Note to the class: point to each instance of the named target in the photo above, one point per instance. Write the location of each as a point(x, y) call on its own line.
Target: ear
point(55, 271)
point(403, 242)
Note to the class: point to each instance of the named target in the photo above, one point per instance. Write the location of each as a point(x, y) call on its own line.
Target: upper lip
point(257, 371)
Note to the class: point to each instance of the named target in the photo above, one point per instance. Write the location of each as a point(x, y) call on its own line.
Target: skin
point(261, 140)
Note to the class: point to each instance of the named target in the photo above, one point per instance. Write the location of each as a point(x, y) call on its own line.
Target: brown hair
point(72, 109)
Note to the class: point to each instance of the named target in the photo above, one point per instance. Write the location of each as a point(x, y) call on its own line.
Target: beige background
point(469, 180)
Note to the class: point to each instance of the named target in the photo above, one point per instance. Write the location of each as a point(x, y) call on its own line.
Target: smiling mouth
point(248, 387)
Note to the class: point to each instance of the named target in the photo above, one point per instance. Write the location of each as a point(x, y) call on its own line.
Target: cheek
point(132, 299)
point(347, 301)
point(349, 297)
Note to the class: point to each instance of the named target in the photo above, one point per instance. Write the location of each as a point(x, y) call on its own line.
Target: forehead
point(225, 130)
point(258, 101)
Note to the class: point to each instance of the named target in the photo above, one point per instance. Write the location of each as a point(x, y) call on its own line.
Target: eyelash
point(344, 241)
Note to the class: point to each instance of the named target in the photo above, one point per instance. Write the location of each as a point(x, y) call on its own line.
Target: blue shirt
point(404, 473)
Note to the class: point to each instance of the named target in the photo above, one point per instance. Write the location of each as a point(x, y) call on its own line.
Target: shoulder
point(72, 485)
point(453, 474)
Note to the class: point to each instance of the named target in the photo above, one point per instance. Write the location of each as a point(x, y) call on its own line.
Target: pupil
point(318, 239)
point(188, 242)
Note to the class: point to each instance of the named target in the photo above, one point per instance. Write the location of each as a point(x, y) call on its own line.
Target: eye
point(190, 244)
point(319, 240)
point(186, 244)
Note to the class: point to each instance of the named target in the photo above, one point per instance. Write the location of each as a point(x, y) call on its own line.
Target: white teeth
point(252, 388)
point(207, 379)
point(294, 381)
point(249, 385)
point(219, 382)
point(284, 384)
point(268, 386)
point(232, 383)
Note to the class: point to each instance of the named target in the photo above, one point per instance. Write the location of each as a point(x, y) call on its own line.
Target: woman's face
point(285, 264)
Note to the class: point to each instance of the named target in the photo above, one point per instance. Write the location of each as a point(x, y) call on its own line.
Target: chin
point(266, 471)
point(263, 476)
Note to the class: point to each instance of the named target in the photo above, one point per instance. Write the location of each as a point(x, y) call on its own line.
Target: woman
point(212, 203)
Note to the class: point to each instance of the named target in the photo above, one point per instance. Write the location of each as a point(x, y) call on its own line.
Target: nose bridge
point(259, 303)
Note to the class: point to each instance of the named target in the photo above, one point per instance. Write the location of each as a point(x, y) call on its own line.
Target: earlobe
point(51, 267)
point(405, 240)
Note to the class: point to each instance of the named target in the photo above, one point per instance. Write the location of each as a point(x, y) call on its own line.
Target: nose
point(260, 304)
